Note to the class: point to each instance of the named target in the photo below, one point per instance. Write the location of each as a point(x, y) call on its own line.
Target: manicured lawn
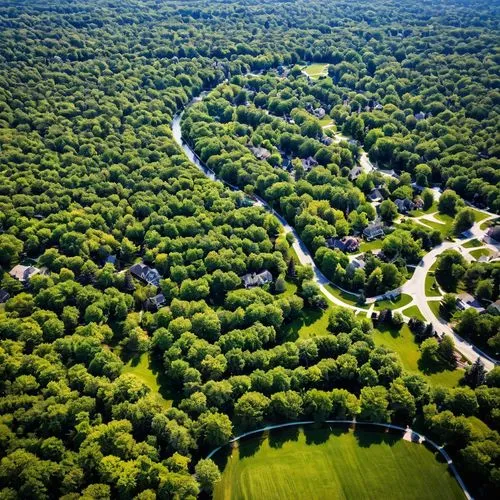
point(413, 312)
point(311, 323)
point(290, 289)
point(325, 121)
point(431, 286)
point(403, 342)
point(444, 228)
point(472, 244)
point(312, 463)
point(478, 215)
point(316, 69)
point(150, 374)
point(433, 208)
point(435, 306)
point(488, 223)
point(480, 252)
point(370, 245)
point(403, 300)
point(347, 297)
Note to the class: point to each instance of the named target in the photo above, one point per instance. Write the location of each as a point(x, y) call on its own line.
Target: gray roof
point(23, 273)
point(257, 279)
point(146, 273)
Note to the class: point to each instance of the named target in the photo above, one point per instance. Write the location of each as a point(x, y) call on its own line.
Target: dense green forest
point(92, 183)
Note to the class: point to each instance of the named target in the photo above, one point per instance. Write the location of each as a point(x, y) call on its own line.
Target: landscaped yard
point(480, 252)
point(435, 306)
point(325, 121)
point(413, 312)
point(472, 243)
point(370, 245)
point(433, 208)
point(325, 464)
point(401, 301)
point(347, 297)
point(311, 323)
point(431, 286)
point(151, 375)
point(403, 342)
point(316, 70)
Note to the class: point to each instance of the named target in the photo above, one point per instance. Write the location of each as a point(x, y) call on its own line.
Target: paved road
point(414, 287)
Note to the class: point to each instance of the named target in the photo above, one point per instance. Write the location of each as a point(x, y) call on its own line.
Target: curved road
point(414, 287)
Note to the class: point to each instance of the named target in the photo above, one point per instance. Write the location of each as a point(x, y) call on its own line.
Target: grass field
point(413, 312)
point(313, 463)
point(472, 243)
point(402, 300)
point(311, 323)
point(480, 252)
point(347, 297)
point(403, 342)
point(326, 121)
point(151, 375)
point(433, 208)
point(435, 307)
point(370, 245)
point(316, 70)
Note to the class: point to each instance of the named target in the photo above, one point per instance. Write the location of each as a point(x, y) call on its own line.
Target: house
point(287, 163)
point(154, 303)
point(145, 273)
point(23, 273)
point(420, 116)
point(4, 296)
point(388, 173)
point(494, 308)
point(355, 172)
point(345, 244)
point(466, 301)
point(308, 163)
point(419, 203)
point(261, 153)
point(404, 206)
point(494, 233)
point(319, 113)
point(375, 195)
point(252, 280)
point(357, 263)
point(377, 106)
point(326, 140)
point(373, 231)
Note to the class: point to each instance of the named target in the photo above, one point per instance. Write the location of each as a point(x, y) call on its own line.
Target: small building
point(389, 173)
point(345, 244)
point(145, 273)
point(308, 163)
point(319, 113)
point(373, 231)
point(327, 141)
point(420, 116)
point(154, 303)
point(375, 195)
point(261, 153)
point(355, 172)
point(252, 280)
point(111, 259)
point(377, 106)
point(404, 206)
point(494, 308)
point(24, 273)
point(466, 301)
point(494, 233)
point(357, 263)
point(4, 296)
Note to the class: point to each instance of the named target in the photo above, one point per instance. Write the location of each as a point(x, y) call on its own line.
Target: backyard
point(332, 462)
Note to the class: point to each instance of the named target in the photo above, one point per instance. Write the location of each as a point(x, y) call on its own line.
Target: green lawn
point(413, 312)
point(315, 70)
point(480, 252)
point(478, 215)
point(370, 245)
point(433, 208)
point(488, 223)
point(311, 323)
point(290, 289)
point(472, 244)
point(325, 121)
point(310, 463)
point(401, 301)
point(431, 286)
point(435, 307)
point(444, 227)
point(403, 342)
point(347, 297)
point(151, 375)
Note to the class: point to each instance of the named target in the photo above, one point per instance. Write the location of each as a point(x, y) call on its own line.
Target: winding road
point(414, 287)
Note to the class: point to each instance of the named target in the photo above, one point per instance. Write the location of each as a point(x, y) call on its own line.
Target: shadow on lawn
point(279, 437)
point(367, 436)
point(290, 332)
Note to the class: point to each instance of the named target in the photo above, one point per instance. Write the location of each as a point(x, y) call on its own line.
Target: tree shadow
point(391, 330)
point(432, 366)
point(316, 435)
point(367, 436)
point(291, 331)
point(157, 368)
point(279, 437)
point(250, 446)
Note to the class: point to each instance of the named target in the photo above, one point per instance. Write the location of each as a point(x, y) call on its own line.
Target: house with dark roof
point(494, 233)
point(357, 263)
point(319, 113)
point(373, 231)
point(326, 140)
point(111, 259)
point(404, 206)
point(24, 273)
point(145, 273)
point(260, 153)
point(467, 301)
point(156, 302)
point(420, 116)
point(375, 195)
point(308, 163)
point(355, 172)
point(4, 296)
point(345, 244)
point(252, 280)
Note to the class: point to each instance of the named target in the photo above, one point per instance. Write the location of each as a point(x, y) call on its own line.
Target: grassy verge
point(348, 298)
point(325, 121)
point(401, 301)
point(472, 244)
point(413, 312)
point(431, 285)
point(435, 306)
point(479, 252)
point(416, 213)
point(318, 463)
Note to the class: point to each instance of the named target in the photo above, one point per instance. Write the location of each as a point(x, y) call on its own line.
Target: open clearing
point(319, 464)
point(316, 70)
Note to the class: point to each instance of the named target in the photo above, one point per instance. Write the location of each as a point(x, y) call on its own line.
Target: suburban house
point(357, 263)
point(156, 302)
point(319, 113)
point(252, 280)
point(145, 273)
point(24, 273)
point(308, 163)
point(261, 153)
point(494, 233)
point(4, 296)
point(373, 231)
point(355, 172)
point(466, 301)
point(389, 173)
point(345, 244)
point(404, 206)
point(494, 308)
point(375, 195)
